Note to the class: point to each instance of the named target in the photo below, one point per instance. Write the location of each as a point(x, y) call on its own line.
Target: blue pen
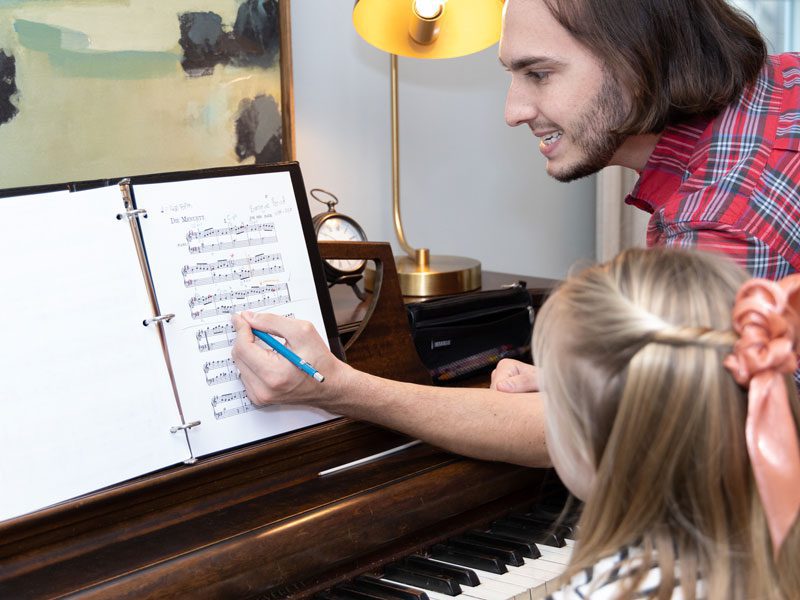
point(289, 355)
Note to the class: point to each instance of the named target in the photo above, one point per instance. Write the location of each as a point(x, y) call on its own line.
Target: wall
point(470, 185)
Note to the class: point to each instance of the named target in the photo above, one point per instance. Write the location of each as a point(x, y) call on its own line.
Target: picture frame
point(102, 89)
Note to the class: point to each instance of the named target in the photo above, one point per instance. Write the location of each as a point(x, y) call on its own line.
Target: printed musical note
point(227, 368)
point(226, 302)
point(231, 237)
point(225, 269)
point(218, 336)
point(229, 405)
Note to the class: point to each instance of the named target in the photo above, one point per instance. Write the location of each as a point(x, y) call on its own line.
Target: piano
point(267, 522)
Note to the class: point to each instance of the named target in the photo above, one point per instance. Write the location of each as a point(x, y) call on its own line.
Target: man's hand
point(270, 378)
point(514, 376)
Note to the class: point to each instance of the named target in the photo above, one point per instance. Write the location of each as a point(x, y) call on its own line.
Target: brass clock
point(337, 227)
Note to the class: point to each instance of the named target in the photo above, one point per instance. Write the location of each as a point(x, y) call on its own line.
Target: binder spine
point(133, 214)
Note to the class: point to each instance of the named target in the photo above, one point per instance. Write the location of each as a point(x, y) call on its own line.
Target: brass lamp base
point(441, 276)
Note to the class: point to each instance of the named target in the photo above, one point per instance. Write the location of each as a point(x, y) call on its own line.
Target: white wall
point(470, 185)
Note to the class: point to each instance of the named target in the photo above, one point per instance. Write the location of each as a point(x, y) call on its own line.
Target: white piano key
point(481, 592)
point(530, 581)
point(431, 594)
point(540, 564)
point(535, 571)
point(556, 555)
point(524, 583)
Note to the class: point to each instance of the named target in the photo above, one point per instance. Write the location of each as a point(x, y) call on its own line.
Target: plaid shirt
point(731, 183)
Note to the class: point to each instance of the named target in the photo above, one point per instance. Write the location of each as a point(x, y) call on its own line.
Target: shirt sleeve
point(749, 252)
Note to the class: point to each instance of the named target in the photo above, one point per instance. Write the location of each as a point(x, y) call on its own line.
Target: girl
point(675, 419)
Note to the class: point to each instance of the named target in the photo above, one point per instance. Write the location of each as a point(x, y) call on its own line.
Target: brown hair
point(630, 356)
point(678, 58)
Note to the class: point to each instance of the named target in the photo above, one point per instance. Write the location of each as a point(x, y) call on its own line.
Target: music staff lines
point(214, 239)
point(229, 405)
point(213, 338)
point(220, 371)
point(226, 269)
point(227, 302)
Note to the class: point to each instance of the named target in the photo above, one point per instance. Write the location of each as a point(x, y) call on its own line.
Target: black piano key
point(434, 583)
point(527, 549)
point(465, 558)
point(544, 530)
point(511, 530)
point(565, 523)
point(462, 575)
point(510, 557)
point(372, 584)
point(348, 591)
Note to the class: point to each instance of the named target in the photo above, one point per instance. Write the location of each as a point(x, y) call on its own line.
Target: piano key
point(539, 568)
point(462, 575)
point(520, 582)
point(465, 558)
point(509, 557)
point(490, 591)
point(560, 528)
point(350, 591)
point(427, 581)
point(547, 536)
point(372, 584)
point(528, 549)
point(555, 555)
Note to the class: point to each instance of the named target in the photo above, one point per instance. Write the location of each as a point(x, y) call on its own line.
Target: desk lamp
point(427, 29)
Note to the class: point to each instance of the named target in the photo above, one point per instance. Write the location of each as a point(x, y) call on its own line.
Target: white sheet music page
point(218, 246)
point(86, 399)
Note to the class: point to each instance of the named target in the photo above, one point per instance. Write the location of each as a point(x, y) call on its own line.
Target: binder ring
point(177, 428)
point(132, 214)
point(158, 318)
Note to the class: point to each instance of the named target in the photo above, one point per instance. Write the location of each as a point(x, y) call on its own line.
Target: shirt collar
point(668, 165)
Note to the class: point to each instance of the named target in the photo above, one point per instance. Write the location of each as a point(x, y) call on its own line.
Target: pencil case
point(466, 335)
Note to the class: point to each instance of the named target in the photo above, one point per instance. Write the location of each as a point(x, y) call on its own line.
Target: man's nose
point(520, 107)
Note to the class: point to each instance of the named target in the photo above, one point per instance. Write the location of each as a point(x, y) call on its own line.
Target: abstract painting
point(93, 89)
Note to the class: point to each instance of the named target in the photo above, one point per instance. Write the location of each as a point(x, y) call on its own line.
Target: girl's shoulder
point(611, 576)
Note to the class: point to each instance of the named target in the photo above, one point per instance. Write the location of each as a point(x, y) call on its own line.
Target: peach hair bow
point(766, 315)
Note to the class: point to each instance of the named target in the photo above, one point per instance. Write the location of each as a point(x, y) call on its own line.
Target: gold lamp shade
point(465, 26)
point(426, 29)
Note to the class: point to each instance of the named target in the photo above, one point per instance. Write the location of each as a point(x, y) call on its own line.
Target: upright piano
point(261, 521)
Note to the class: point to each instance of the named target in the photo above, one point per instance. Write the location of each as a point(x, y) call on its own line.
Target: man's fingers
point(526, 381)
point(288, 329)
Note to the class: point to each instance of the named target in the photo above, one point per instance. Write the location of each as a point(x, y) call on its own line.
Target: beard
point(593, 132)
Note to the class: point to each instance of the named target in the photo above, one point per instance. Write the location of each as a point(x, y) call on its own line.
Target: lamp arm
point(420, 255)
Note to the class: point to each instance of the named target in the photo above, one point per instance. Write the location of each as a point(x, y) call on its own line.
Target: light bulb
point(428, 9)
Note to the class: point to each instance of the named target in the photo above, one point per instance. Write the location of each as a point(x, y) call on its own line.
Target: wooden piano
point(260, 522)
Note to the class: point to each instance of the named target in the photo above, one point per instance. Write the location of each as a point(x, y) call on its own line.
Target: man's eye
point(538, 75)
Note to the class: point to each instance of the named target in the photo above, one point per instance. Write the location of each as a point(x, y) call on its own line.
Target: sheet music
point(86, 400)
point(218, 246)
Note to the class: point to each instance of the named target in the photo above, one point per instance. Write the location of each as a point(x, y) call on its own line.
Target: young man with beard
point(681, 91)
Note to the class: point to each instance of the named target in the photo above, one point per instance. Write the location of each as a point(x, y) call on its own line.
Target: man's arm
point(479, 423)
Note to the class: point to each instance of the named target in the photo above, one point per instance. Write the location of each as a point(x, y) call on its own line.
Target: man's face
point(561, 91)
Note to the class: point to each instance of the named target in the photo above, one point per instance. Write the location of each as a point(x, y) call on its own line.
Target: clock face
point(338, 229)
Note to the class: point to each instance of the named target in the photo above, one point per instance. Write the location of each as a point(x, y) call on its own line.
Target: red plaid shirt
point(731, 183)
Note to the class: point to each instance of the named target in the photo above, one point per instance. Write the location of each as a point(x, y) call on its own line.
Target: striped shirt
point(610, 576)
point(731, 183)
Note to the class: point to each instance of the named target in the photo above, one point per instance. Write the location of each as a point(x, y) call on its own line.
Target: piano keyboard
point(519, 557)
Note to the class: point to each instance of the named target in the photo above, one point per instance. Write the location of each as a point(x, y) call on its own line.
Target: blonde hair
point(630, 354)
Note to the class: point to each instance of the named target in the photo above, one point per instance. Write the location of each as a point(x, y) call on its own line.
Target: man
point(679, 90)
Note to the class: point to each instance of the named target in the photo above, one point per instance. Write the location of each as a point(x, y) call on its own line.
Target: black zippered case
point(462, 336)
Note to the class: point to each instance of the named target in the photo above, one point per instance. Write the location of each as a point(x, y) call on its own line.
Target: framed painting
point(91, 89)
